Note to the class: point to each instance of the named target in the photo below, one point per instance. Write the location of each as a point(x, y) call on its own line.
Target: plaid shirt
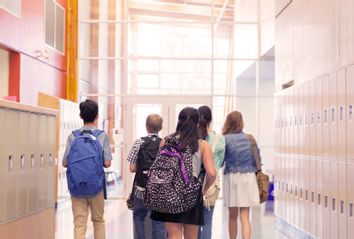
point(133, 158)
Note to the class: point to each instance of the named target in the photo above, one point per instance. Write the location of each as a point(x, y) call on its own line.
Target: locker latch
point(350, 115)
point(11, 163)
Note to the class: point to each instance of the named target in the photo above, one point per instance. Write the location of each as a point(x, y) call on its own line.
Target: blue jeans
point(205, 231)
point(139, 214)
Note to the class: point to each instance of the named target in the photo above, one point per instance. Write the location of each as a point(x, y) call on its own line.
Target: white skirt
point(240, 190)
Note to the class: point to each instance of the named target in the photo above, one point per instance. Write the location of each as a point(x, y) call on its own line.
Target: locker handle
point(341, 113)
point(333, 204)
point(350, 209)
point(318, 118)
point(295, 191)
point(342, 207)
point(350, 115)
point(11, 163)
point(32, 162)
point(50, 160)
point(332, 114)
point(312, 197)
point(42, 161)
point(22, 163)
point(307, 195)
point(301, 193)
point(325, 116)
point(319, 199)
point(312, 118)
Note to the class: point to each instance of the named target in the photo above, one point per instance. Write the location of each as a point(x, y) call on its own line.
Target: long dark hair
point(205, 118)
point(187, 129)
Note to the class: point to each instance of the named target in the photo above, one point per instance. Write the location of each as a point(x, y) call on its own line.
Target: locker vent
point(350, 209)
point(333, 204)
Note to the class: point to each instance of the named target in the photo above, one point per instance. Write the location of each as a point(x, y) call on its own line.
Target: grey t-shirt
point(102, 138)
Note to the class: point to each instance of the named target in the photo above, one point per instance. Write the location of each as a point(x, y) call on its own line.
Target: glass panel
point(141, 111)
point(170, 77)
point(219, 115)
point(59, 28)
point(248, 109)
point(85, 6)
point(13, 6)
point(223, 33)
point(49, 22)
point(96, 40)
point(95, 75)
point(246, 41)
point(246, 11)
point(266, 78)
point(169, 40)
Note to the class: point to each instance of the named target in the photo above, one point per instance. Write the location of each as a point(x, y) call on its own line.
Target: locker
point(51, 153)
point(350, 151)
point(295, 157)
point(350, 105)
point(22, 173)
point(326, 201)
point(42, 186)
point(342, 157)
point(350, 189)
point(333, 150)
point(318, 156)
point(32, 201)
point(3, 166)
point(11, 163)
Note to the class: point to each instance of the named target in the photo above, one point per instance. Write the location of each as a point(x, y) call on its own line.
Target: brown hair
point(233, 123)
point(153, 123)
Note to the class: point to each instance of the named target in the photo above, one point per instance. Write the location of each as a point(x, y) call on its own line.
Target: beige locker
point(350, 112)
point(3, 165)
point(318, 156)
point(333, 150)
point(51, 153)
point(326, 201)
point(32, 200)
point(42, 185)
point(12, 157)
point(342, 203)
point(23, 172)
point(350, 151)
point(350, 209)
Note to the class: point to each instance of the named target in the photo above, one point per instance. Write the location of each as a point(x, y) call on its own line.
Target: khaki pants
point(80, 207)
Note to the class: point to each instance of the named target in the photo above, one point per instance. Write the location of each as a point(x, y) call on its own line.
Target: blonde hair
point(153, 123)
point(233, 123)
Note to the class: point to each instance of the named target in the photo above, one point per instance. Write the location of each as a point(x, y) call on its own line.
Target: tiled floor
point(119, 222)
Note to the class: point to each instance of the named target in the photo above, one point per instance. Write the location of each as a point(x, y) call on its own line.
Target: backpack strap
point(77, 133)
point(97, 132)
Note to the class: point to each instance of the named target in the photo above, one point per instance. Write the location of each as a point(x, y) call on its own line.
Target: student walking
point(217, 143)
point(192, 153)
point(240, 189)
point(141, 157)
point(87, 152)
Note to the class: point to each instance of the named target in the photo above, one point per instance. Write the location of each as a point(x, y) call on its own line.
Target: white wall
point(4, 73)
point(313, 38)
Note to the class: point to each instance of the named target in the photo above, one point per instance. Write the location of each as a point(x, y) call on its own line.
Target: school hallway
point(119, 222)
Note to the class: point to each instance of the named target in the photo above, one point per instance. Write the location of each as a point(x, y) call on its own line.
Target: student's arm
point(208, 164)
point(67, 150)
point(107, 155)
point(133, 155)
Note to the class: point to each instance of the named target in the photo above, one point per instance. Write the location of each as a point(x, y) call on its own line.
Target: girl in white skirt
point(240, 185)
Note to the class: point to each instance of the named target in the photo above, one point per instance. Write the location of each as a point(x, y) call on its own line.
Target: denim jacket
point(238, 154)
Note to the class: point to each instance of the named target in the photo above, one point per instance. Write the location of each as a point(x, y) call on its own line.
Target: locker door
point(333, 150)
point(296, 155)
point(33, 196)
point(23, 148)
point(12, 163)
point(318, 157)
point(342, 157)
point(350, 150)
point(300, 156)
point(41, 188)
point(325, 155)
point(312, 159)
point(350, 188)
point(3, 166)
point(51, 153)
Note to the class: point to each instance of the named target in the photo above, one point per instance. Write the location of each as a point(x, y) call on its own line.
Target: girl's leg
point(174, 230)
point(245, 222)
point(190, 231)
point(233, 215)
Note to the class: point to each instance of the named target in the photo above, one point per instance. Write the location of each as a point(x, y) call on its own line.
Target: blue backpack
point(85, 172)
